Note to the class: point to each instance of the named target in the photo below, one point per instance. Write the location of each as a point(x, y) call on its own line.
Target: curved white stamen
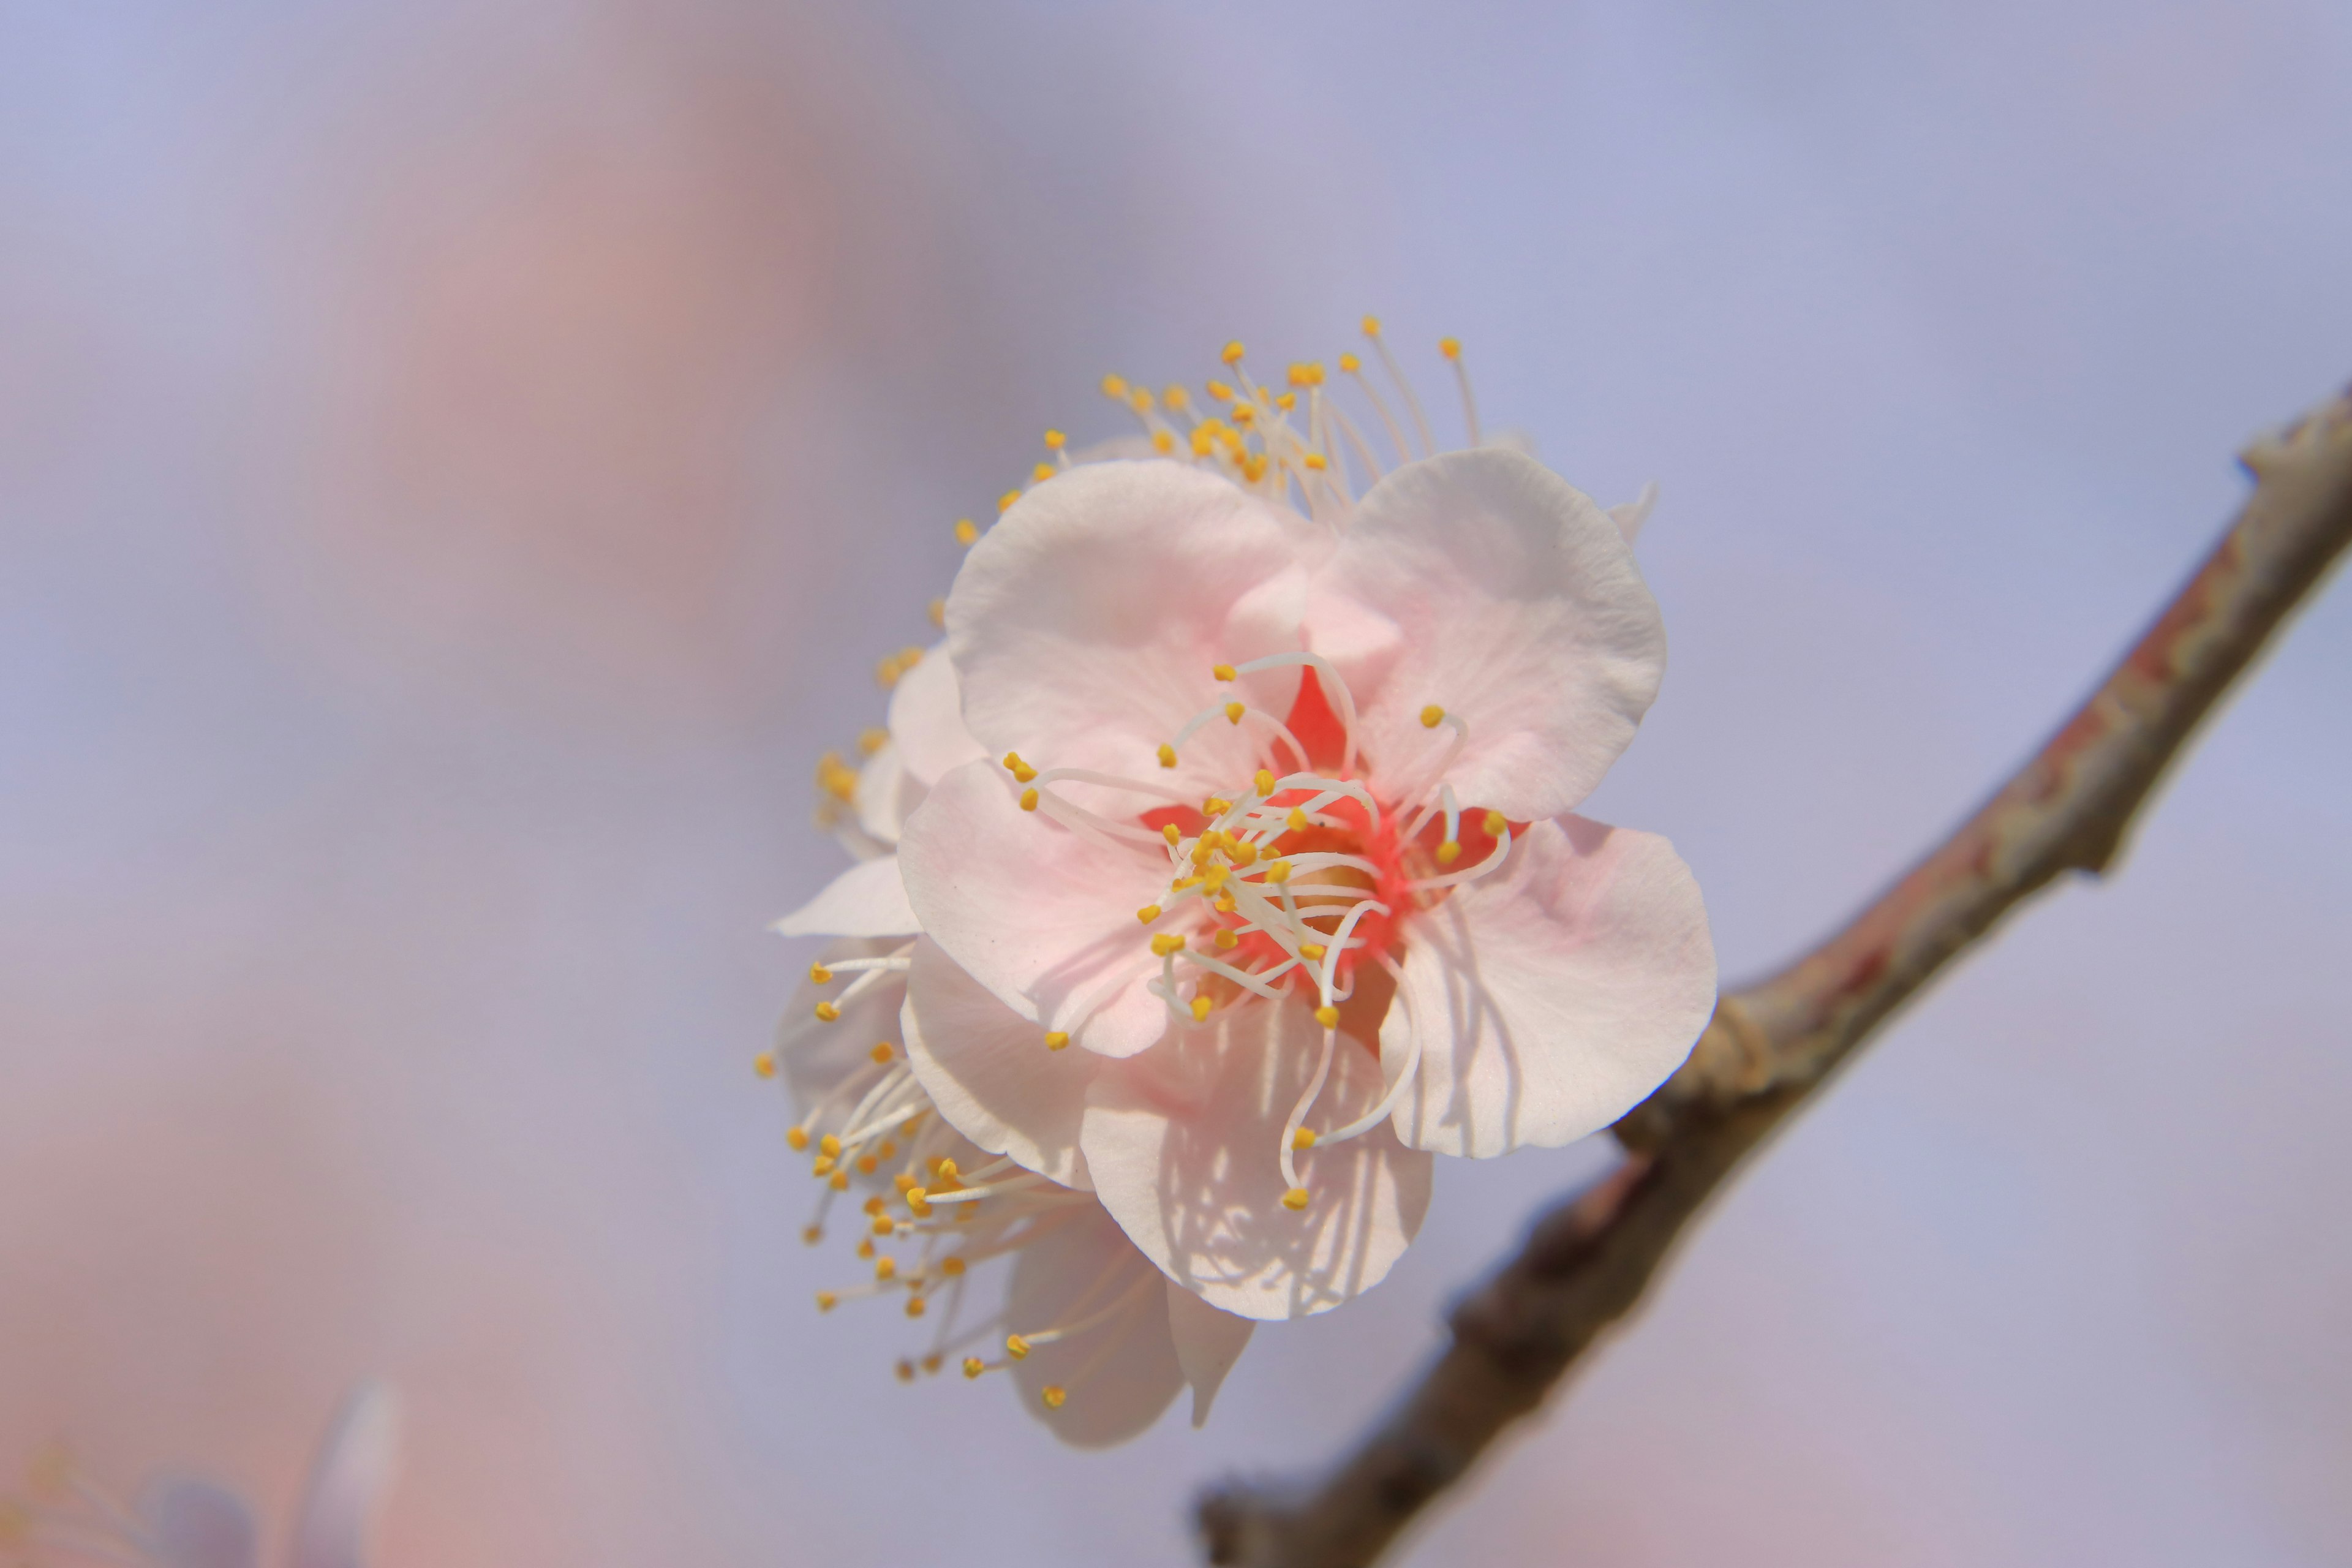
point(1396, 1091)
point(1469, 404)
point(1335, 692)
point(1241, 977)
point(1491, 864)
point(1305, 1103)
point(1380, 406)
point(850, 965)
point(1111, 781)
point(1339, 945)
point(1078, 819)
point(867, 1132)
point(1411, 400)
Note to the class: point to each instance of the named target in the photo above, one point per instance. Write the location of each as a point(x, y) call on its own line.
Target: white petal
point(1555, 995)
point(868, 900)
point(1085, 624)
point(1208, 1342)
point(927, 719)
point(1183, 1145)
point(1482, 583)
point(1043, 916)
point(1629, 516)
point(348, 1479)
point(1119, 1374)
point(988, 1070)
point(886, 793)
point(195, 1523)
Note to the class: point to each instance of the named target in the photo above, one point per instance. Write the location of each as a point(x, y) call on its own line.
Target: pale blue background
point(459, 463)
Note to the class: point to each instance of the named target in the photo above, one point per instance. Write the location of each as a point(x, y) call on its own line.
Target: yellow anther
point(826, 1301)
point(1043, 472)
point(872, 741)
point(938, 612)
point(916, 1196)
point(1242, 414)
point(1055, 1039)
point(881, 1051)
point(1371, 326)
point(1017, 768)
point(796, 1139)
point(1350, 363)
point(1171, 832)
point(944, 1168)
point(1233, 354)
point(1205, 440)
point(1311, 951)
point(932, 1361)
point(951, 1266)
point(1449, 347)
point(827, 1012)
point(1140, 400)
point(1264, 781)
point(1254, 468)
point(830, 1145)
point(1303, 1139)
point(1242, 854)
point(1431, 717)
point(1296, 820)
point(867, 1164)
point(1233, 712)
point(1328, 1015)
point(822, 1165)
point(1113, 386)
point(1226, 939)
point(1182, 883)
point(884, 1224)
point(1315, 461)
point(914, 1306)
point(1220, 392)
point(764, 1064)
point(967, 532)
point(1224, 904)
point(1054, 440)
point(1015, 1346)
point(1028, 800)
point(1148, 913)
point(1295, 1198)
point(820, 975)
point(1004, 502)
point(973, 1366)
point(1449, 852)
point(886, 1269)
point(1296, 375)
point(889, 1150)
point(1200, 1008)
point(1277, 871)
point(1287, 401)
point(1495, 824)
point(1162, 442)
point(1054, 1395)
point(1202, 847)
point(1214, 876)
point(906, 1370)
point(1167, 755)
point(1217, 807)
point(1165, 943)
point(903, 1182)
point(874, 1205)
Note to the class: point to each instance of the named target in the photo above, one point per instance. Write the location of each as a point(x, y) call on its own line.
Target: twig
point(1589, 1260)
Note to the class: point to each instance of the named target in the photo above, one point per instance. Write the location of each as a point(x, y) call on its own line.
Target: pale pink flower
point(1097, 1340)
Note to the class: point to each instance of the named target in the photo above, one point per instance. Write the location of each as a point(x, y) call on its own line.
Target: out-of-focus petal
point(348, 1481)
point(1629, 516)
point(886, 793)
point(1040, 914)
point(1208, 1342)
point(868, 900)
point(1118, 1373)
point(1482, 583)
point(927, 719)
point(1085, 624)
point(987, 1070)
point(1553, 996)
point(195, 1523)
point(1183, 1145)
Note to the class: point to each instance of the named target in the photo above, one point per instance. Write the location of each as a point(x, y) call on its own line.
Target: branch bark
point(1589, 1260)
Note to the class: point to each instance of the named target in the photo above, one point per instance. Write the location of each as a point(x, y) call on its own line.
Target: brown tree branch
point(1589, 1260)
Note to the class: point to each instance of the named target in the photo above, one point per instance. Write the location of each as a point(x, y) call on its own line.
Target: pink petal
point(1553, 996)
point(868, 900)
point(1484, 583)
point(1208, 1342)
point(192, 1524)
point(1085, 624)
point(987, 1070)
point(927, 719)
point(1043, 916)
point(347, 1481)
point(1182, 1142)
point(1119, 1374)
point(886, 793)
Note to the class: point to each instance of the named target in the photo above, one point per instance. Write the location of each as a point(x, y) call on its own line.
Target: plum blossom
point(184, 1522)
point(1249, 767)
point(1096, 1340)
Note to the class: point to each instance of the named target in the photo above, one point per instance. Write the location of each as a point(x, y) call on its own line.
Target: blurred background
point(459, 465)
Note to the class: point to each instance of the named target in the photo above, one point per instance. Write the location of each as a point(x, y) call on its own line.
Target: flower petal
point(1208, 1342)
point(1553, 996)
point(1040, 914)
point(1484, 583)
point(868, 900)
point(927, 719)
point(987, 1070)
point(1085, 624)
point(1121, 1372)
point(1629, 516)
point(196, 1524)
point(347, 1481)
point(1182, 1142)
point(886, 793)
